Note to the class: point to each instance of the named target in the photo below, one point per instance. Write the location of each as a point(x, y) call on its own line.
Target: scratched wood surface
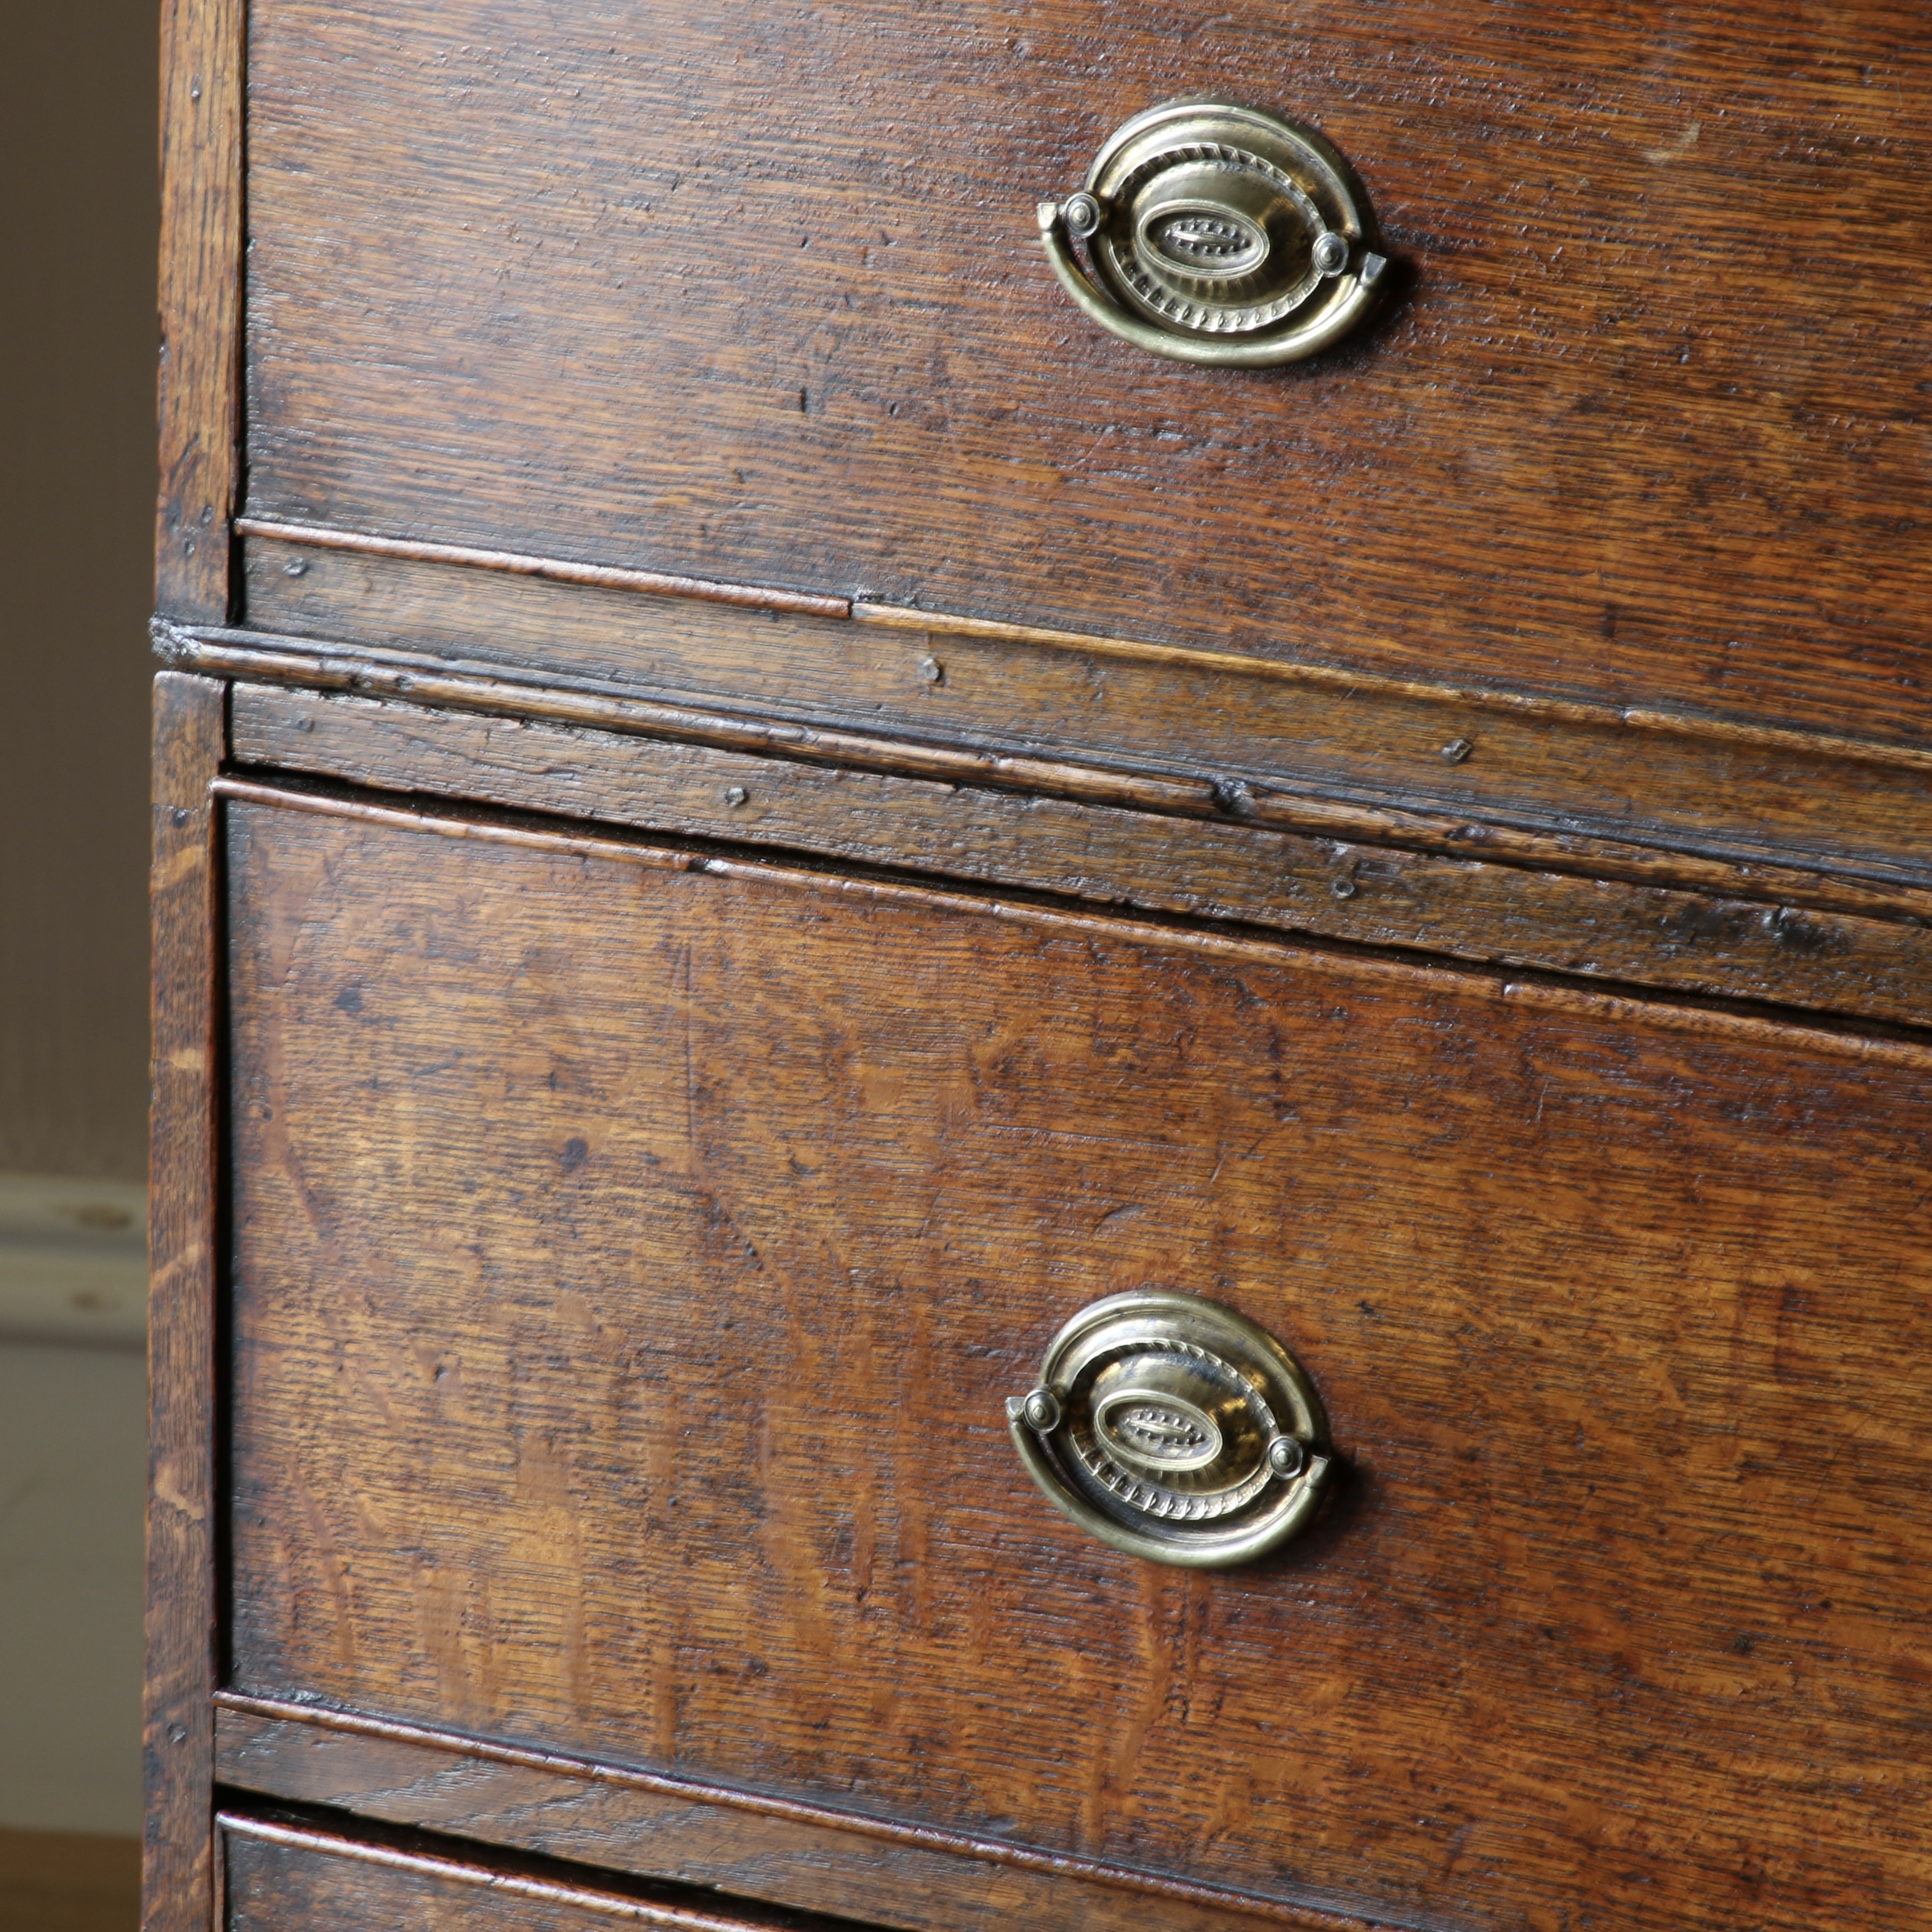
point(199, 304)
point(1363, 892)
point(286, 1875)
point(1564, 844)
point(818, 1858)
point(631, 1256)
point(760, 297)
point(178, 1722)
point(1590, 771)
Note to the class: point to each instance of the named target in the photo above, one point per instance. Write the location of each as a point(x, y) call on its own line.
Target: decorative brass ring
point(1173, 1429)
point(1218, 233)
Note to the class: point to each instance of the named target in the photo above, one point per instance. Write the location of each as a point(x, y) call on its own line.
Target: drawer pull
point(1175, 1429)
point(1218, 233)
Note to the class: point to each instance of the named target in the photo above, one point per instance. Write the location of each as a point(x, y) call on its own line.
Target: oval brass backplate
point(1215, 232)
point(1175, 1429)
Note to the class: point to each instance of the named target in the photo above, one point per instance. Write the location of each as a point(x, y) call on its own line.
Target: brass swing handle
point(1216, 233)
point(1173, 1429)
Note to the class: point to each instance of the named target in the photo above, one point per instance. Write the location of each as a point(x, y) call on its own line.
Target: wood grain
point(750, 1846)
point(1556, 772)
point(513, 693)
point(283, 1874)
point(200, 305)
point(651, 288)
point(1709, 1019)
point(668, 414)
point(177, 1722)
point(1365, 894)
point(649, 582)
point(632, 1252)
point(299, 538)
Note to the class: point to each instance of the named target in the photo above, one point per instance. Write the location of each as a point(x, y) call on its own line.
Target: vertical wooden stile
point(177, 1719)
point(201, 51)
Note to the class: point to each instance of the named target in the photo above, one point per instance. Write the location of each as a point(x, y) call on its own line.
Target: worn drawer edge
point(1356, 891)
point(783, 1851)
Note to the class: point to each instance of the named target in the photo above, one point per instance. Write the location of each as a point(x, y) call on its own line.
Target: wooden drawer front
point(659, 287)
point(632, 1253)
point(281, 1878)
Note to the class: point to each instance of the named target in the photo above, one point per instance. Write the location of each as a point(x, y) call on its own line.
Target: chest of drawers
point(806, 906)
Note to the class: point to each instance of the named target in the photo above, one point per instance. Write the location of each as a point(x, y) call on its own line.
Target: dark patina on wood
point(1496, 758)
point(551, 569)
point(749, 1844)
point(200, 305)
point(1371, 894)
point(1644, 423)
point(699, 1217)
point(285, 1871)
point(505, 692)
point(177, 1739)
point(669, 416)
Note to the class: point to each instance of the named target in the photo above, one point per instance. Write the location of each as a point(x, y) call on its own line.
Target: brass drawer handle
point(1218, 233)
point(1175, 1429)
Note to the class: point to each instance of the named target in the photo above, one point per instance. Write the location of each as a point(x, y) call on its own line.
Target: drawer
point(286, 1877)
point(650, 288)
point(633, 1252)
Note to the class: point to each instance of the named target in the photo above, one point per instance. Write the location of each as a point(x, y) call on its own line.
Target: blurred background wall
point(77, 354)
point(76, 496)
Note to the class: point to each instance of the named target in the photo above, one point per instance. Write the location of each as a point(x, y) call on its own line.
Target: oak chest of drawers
point(1042, 979)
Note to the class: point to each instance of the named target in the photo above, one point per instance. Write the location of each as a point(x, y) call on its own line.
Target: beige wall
point(77, 350)
point(72, 1461)
point(77, 347)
